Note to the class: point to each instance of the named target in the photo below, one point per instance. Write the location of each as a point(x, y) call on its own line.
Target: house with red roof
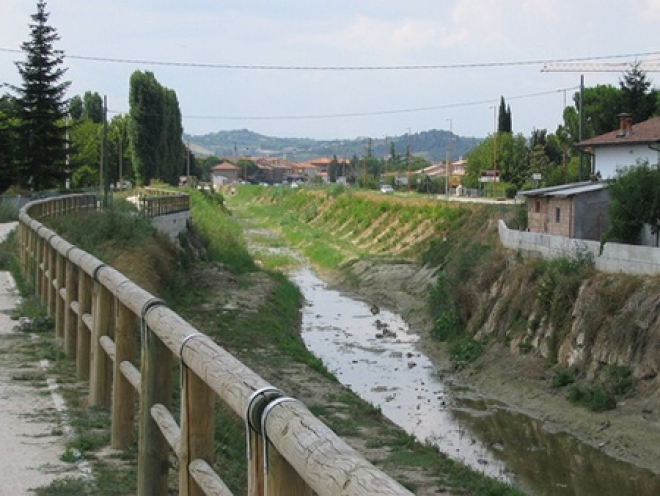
point(624, 147)
point(223, 173)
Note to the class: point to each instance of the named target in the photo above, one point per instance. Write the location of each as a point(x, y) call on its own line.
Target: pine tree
point(638, 97)
point(41, 108)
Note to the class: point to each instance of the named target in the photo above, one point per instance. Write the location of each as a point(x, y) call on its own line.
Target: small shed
point(576, 210)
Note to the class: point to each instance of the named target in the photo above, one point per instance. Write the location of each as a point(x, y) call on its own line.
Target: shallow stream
point(373, 351)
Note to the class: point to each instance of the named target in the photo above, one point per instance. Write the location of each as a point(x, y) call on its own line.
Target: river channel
point(374, 352)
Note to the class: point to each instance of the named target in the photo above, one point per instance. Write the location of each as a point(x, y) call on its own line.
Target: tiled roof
point(644, 132)
point(224, 166)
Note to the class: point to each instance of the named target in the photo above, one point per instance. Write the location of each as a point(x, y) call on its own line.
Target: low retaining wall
point(172, 224)
point(615, 257)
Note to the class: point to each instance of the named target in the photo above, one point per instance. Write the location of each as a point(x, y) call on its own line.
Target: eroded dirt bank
point(631, 432)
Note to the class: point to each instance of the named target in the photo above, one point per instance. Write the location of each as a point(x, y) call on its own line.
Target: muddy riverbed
point(377, 354)
point(498, 416)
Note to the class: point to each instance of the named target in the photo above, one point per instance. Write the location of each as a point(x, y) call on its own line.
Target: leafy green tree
point(637, 96)
point(93, 107)
point(634, 201)
point(41, 108)
point(85, 153)
point(602, 105)
point(7, 143)
point(119, 156)
point(76, 107)
point(510, 157)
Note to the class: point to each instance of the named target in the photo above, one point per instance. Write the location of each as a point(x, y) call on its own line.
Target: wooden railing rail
point(105, 321)
point(153, 202)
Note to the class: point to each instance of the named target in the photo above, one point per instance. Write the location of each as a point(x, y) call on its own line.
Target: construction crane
point(644, 65)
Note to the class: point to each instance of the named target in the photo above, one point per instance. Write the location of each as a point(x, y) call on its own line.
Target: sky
point(342, 69)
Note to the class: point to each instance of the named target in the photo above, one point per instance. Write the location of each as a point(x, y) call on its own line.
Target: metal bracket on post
point(97, 269)
point(148, 305)
point(256, 405)
point(182, 366)
point(264, 417)
point(69, 249)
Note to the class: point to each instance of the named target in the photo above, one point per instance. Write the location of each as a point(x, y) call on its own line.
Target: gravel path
point(29, 452)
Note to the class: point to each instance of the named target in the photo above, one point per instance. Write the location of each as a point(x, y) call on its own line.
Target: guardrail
point(105, 321)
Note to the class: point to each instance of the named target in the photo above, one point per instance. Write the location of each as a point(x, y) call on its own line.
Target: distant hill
point(431, 145)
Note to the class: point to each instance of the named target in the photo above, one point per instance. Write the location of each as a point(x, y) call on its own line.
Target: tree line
point(49, 142)
point(554, 157)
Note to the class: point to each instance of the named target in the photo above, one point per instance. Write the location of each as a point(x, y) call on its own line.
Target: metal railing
point(105, 321)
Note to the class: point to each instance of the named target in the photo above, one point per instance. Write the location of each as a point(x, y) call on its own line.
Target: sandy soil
point(631, 432)
point(30, 450)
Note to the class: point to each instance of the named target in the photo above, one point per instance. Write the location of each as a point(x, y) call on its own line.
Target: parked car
point(386, 188)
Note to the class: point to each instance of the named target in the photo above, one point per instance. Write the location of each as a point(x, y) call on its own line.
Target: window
point(537, 207)
point(558, 214)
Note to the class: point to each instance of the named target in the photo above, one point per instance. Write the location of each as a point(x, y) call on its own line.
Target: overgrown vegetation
point(617, 382)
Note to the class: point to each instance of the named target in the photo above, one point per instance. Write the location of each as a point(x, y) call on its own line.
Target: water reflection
point(375, 354)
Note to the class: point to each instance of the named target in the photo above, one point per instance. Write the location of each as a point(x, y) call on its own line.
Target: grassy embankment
point(134, 248)
point(332, 227)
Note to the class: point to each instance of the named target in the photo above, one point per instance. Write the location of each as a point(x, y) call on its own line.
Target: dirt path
point(30, 433)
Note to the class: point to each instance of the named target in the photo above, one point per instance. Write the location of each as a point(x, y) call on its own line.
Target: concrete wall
point(616, 257)
point(172, 224)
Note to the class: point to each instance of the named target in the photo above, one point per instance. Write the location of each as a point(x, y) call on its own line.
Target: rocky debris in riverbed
point(385, 330)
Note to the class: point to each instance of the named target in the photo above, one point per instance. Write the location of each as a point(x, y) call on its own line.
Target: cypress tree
point(155, 130)
point(41, 108)
point(504, 117)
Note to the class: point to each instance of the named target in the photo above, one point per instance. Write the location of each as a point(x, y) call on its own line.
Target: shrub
point(563, 377)
point(620, 380)
point(595, 397)
point(465, 350)
point(447, 326)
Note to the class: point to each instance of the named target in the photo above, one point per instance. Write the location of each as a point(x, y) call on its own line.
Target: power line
point(365, 114)
point(261, 67)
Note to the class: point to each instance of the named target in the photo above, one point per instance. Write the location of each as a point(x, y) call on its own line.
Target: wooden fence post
point(153, 449)
point(71, 287)
point(281, 478)
point(51, 255)
point(123, 393)
point(83, 344)
point(43, 272)
point(103, 318)
point(197, 422)
point(58, 283)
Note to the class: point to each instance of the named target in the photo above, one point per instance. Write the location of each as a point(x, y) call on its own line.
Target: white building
point(624, 147)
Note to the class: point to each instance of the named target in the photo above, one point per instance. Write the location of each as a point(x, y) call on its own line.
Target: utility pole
point(581, 125)
point(104, 173)
point(121, 164)
point(188, 165)
point(448, 161)
point(494, 148)
point(408, 159)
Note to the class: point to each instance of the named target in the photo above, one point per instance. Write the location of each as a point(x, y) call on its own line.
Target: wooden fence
point(105, 322)
point(153, 202)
